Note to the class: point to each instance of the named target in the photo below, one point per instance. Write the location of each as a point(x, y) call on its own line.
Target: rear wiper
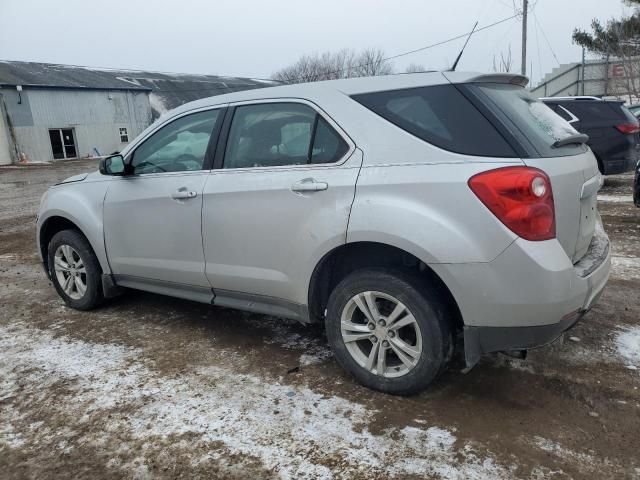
point(578, 138)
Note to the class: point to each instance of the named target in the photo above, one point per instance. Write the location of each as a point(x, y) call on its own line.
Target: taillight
point(521, 198)
point(628, 128)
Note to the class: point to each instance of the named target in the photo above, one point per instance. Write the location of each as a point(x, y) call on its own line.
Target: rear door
point(283, 190)
point(572, 168)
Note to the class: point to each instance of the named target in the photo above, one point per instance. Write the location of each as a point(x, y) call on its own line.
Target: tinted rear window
point(595, 110)
point(537, 123)
point(440, 115)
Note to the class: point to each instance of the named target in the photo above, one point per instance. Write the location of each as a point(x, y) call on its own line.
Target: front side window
point(439, 115)
point(277, 134)
point(179, 146)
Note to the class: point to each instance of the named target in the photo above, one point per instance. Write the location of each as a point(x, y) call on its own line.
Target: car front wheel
point(388, 329)
point(75, 270)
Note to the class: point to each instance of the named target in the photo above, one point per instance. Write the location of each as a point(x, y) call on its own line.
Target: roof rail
point(577, 97)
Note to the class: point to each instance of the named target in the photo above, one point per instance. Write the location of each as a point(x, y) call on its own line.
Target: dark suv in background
point(613, 130)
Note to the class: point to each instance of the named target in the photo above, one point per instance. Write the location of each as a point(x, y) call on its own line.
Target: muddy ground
point(150, 386)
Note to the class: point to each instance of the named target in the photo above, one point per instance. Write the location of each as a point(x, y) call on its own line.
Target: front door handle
point(183, 193)
point(309, 185)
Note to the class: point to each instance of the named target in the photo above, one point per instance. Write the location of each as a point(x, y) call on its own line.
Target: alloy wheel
point(70, 272)
point(381, 334)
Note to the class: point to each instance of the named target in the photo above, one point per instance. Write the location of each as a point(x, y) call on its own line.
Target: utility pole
point(525, 7)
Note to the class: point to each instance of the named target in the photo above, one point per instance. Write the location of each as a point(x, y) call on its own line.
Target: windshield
point(540, 125)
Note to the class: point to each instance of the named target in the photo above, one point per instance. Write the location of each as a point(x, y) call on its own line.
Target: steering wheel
point(189, 162)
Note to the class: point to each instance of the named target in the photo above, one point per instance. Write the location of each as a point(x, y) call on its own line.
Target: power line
point(427, 47)
point(538, 50)
point(392, 57)
point(230, 89)
point(458, 37)
point(545, 37)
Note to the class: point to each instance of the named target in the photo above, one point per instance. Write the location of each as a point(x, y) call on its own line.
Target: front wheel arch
point(49, 228)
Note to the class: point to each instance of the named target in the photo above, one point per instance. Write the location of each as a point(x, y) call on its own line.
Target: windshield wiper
point(578, 138)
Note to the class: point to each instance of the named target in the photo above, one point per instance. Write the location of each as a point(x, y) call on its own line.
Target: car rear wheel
point(75, 270)
point(388, 329)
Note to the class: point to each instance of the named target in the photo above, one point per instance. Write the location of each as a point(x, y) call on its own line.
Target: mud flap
point(109, 287)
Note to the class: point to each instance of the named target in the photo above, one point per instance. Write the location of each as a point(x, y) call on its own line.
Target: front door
point(283, 194)
point(152, 218)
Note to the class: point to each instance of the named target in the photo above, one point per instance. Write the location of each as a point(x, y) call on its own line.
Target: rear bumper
point(527, 296)
point(481, 340)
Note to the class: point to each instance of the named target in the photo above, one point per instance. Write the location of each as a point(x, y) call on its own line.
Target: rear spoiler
point(509, 78)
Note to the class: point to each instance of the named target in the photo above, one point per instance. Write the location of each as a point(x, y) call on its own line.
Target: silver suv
point(401, 211)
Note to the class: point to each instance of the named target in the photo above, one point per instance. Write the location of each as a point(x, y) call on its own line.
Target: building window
point(124, 135)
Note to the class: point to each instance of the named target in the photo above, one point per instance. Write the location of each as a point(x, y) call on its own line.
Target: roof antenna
point(455, 64)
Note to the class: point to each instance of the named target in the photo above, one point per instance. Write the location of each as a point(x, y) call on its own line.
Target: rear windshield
point(589, 110)
point(537, 123)
point(440, 115)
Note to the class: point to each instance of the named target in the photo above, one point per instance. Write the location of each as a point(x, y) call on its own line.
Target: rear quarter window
point(538, 124)
point(440, 115)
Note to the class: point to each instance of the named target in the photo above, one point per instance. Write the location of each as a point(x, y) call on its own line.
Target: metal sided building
point(53, 112)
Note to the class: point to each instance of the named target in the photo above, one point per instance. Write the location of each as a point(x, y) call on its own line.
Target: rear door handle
point(181, 194)
point(309, 185)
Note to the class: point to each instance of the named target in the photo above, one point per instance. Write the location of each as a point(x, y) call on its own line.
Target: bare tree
point(505, 63)
point(370, 63)
point(414, 68)
point(344, 63)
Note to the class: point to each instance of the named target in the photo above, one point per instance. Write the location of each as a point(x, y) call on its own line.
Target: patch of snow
point(562, 452)
point(628, 344)
point(157, 103)
point(615, 198)
point(130, 80)
point(596, 253)
point(289, 429)
point(626, 268)
point(268, 82)
point(315, 358)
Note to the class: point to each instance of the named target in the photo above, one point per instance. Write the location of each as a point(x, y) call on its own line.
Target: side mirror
point(113, 165)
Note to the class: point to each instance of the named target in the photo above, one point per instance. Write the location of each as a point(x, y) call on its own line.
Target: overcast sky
point(254, 37)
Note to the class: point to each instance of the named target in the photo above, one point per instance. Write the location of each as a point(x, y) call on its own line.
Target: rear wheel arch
point(347, 258)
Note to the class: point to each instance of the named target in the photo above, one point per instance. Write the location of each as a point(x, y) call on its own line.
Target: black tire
point(93, 295)
point(422, 301)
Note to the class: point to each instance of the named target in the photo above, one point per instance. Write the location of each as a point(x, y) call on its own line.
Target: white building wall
point(613, 78)
point(95, 117)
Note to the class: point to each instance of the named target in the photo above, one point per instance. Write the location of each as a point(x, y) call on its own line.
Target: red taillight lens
point(628, 128)
point(521, 198)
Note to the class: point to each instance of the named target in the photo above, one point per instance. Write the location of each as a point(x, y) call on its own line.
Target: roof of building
point(167, 90)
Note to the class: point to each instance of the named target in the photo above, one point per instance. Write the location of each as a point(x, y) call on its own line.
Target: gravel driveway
point(154, 387)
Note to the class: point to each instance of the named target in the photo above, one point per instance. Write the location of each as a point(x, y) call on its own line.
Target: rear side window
point(440, 115)
point(563, 112)
point(280, 134)
point(538, 123)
